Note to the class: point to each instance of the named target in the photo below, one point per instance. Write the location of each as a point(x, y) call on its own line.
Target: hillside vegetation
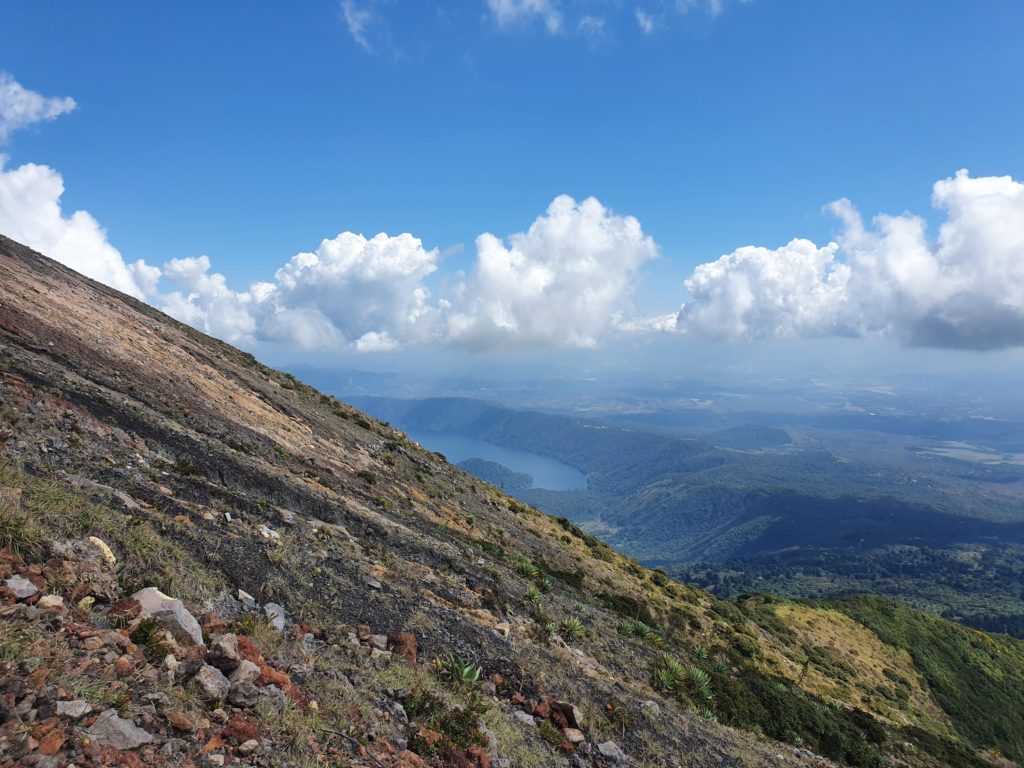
point(395, 610)
point(742, 510)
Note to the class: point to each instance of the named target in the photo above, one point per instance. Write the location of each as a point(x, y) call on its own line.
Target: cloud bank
point(30, 213)
point(20, 107)
point(565, 282)
point(965, 290)
point(568, 280)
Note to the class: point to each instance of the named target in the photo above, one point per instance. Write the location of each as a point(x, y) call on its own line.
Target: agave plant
point(627, 628)
point(700, 683)
point(701, 652)
point(678, 670)
point(668, 674)
point(664, 680)
point(533, 594)
point(571, 627)
point(455, 670)
point(706, 712)
point(526, 568)
point(642, 631)
point(544, 584)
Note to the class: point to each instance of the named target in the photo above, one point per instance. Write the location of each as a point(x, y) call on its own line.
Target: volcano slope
point(393, 610)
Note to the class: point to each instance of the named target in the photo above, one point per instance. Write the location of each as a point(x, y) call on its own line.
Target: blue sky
point(249, 132)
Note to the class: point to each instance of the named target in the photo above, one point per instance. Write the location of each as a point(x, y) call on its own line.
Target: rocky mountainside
point(205, 562)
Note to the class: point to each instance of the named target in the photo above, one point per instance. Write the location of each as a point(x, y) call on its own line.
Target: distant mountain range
point(743, 509)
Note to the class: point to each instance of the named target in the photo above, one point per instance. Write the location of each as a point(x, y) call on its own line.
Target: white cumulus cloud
point(30, 213)
point(565, 282)
point(963, 290)
point(20, 107)
point(350, 292)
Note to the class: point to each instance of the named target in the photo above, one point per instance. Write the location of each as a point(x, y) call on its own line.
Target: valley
point(805, 507)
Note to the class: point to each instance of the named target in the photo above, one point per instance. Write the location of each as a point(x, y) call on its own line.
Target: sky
point(355, 179)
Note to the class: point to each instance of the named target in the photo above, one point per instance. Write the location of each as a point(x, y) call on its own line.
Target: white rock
point(574, 735)
point(171, 614)
point(610, 751)
point(74, 709)
point(245, 672)
point(113, 731)
point(21, 587)
point(276, 615)
point(211, 684)
point(50, 603)
point(524, 718)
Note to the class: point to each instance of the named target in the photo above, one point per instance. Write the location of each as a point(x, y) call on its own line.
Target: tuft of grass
point(18, 531)
point(550, 734)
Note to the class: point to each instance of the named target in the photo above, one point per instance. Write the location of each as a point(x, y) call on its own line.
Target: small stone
point(223, 652)
point(244, 695)
point(503, 628)
point(573, 714)
point(21, 587)
point(170, 614)
point(611, 753)
point(314, 706)
point(245, 672)
point(211, 684)
point(276, 615)
point(380, 642)
point(73, 709)
point(51, 743)
point(524, 717)
point(50, 603)
point(248, 601)
point(574, 735)
point(651, 708)
point(216, 760)
point(110, 730)
point(372, 583)
point(124, 667)
point(403, 644)
point(93, 643)
point(182, 721)
point(248, 747)
point(287, 516)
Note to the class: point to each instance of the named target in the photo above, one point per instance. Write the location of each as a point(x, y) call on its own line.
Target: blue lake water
point(547, 473)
